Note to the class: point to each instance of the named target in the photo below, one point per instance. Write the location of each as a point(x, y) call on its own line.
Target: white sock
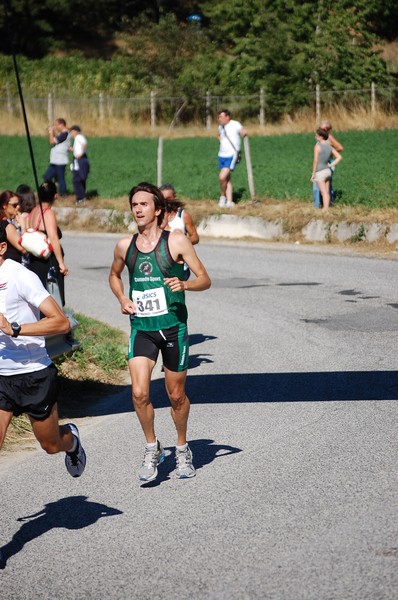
point(182, 448)
point(152, 444)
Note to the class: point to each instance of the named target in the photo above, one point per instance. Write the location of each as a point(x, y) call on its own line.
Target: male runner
point(28, 378)
point(156, 305)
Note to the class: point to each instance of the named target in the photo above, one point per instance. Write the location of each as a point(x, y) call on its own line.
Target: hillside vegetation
point(84, 47)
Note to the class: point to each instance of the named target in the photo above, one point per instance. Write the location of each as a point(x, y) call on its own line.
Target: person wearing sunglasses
point(9, 211)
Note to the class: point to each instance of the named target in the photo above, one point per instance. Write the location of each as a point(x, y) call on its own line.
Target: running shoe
point(153, 457)
point(75, 462)
point(185, 468)
point(222, 202)
point(229, 204)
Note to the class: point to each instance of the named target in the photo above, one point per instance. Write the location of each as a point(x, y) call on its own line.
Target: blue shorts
point(227, 162)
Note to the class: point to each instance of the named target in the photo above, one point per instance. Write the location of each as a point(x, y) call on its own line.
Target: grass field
point(282, 166)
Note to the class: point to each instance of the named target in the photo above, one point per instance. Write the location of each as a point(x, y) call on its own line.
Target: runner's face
point(168, 195)
point(143, 208)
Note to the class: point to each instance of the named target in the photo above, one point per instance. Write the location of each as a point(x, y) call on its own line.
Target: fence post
point(249, 167)
point(9, 99)
point(262, 108)
point(153, 109)
point(101, 106)
point(50, 108)
point(318, 103)
point(373, 98)
point(208, 110)
point(160, 161)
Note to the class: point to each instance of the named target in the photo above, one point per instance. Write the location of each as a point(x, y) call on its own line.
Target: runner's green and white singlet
point(157, 306)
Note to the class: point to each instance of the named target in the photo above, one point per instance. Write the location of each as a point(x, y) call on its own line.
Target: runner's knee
point(50, 447)
point(177, 398)
point(140, 398)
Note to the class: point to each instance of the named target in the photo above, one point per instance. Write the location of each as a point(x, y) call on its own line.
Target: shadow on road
point(204, 452)
point(74, 512)
point(258, 387)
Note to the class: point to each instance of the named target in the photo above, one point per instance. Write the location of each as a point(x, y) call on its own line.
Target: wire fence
point(155, 110)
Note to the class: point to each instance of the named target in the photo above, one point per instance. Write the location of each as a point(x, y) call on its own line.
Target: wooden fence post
point(249, 168)
point(160, 161)
point(373, 98)
point(318, 103)
point(153, 109)
point(262, 108)
point(9, 100)
point(50, 109)
point(208, 110)
point(101, 106)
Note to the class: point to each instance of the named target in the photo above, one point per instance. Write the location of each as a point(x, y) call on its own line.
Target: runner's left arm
point(182, 249)
point(54, 321)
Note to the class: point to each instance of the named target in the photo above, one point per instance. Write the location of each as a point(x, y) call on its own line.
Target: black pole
point(14, 60)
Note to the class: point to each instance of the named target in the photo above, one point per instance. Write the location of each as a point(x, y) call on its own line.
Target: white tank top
point(178, 222)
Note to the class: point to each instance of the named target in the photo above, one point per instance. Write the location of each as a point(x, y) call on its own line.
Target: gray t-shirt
point(59, 152)
point(324, 156)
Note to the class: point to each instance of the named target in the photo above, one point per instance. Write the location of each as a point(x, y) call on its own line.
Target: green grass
point(281, 166)
point(101, 346)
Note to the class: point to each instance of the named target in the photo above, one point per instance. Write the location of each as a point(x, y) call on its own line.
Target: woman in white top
point(176, 217)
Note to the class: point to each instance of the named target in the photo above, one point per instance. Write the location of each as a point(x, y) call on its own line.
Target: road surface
point(294, 389)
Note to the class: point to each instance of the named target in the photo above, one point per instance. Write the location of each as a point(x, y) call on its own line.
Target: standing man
point(58, 136)
point(326, 126)
point(80, 166)
point(230, 133)
point(28, 378)
point(156, 305)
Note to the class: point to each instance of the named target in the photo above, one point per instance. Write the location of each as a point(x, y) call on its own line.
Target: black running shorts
point(172, 343)
point(32, 393)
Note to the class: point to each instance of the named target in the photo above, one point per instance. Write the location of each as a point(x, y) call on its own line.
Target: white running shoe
point(222, 202)
point(185, 468)
point(75, 462)
point(229, 204)
point(153, 457)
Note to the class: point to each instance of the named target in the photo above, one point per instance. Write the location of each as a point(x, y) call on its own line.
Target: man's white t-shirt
point(232, 129)
point(21, 293)
point(79, 145)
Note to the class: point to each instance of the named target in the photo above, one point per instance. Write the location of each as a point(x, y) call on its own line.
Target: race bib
point(150, 303)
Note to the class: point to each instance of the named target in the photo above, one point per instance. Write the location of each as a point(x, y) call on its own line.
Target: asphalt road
point(294, 389)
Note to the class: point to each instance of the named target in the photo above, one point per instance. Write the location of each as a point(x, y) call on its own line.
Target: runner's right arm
point(115, 277)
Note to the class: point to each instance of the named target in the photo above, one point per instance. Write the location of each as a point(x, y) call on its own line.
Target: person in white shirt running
point(230, 133)
point(28, 378)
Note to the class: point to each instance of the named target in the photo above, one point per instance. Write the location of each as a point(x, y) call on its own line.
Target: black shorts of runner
point(172, 343)
point(32, 393)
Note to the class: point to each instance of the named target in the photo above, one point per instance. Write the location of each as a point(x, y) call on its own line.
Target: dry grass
point(302, 122)
point(290, 211)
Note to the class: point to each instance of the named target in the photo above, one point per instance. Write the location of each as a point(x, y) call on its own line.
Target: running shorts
point(172, 343)
point(227, 162)
point(32, 393)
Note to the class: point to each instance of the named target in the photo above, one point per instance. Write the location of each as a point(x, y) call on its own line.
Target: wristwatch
point(16, 328)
